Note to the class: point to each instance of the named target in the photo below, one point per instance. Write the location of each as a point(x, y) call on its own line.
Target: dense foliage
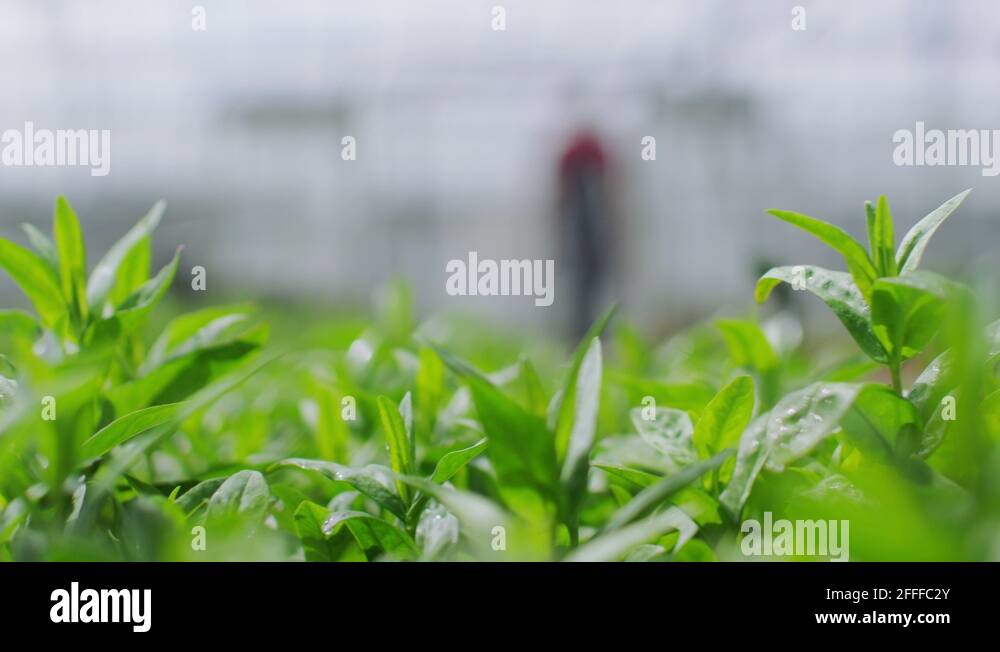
point(390, 440)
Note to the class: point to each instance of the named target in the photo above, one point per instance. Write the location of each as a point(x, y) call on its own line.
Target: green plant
point(389, 437)
point(890, 308)
point(87, 396)
point(893, 311)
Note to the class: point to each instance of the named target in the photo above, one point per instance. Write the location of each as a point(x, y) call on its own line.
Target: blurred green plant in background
point(388, 437)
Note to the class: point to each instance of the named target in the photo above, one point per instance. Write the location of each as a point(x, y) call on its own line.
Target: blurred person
point(584, 226)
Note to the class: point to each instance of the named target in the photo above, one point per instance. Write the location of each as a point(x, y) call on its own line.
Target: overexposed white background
point(459, 128)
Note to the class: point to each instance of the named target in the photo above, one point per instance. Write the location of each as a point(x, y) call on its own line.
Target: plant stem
point(897, 382)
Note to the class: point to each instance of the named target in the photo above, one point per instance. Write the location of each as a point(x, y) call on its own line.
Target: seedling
point(131, 431)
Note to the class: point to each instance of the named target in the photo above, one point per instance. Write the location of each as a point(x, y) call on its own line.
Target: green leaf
point(37, 280)
point(990, 408)
point(449, 464)
point(429, 389)
point(453, 461)
point(12, 515)
point(911, 249)
point(365, 480)
point(128, 426)
point(133, 272)
point(876, 418)
point(796, 425)
point(747, 344)
point(480, 517)
point(908, 310)
point(934, 382)
point(287, 498)
point(725, 417)
point(992, 334)
point(139, 303)
point(132, 313)
point(178, 378)
point(244, 494)
point(202, 398)
point(836, 290)
point(885, 258)
point(520, 446)
point(870, 222)
point(102, 278)
point(584, 425)
point(317, 546)
point(198, 495)
point(210, 393)
point(398, 438)
point(855, 256)
point(657, 493)
point(632, 479)
point(197, 331)
point(43, 245)
point(437, 531)
point(528, 387)
point(803, 419)
point(333, 435)
point(564, 409)
point(184, 332)
point(615, 544)
point(72, 256)
point(373, 535)
point(669, 432)
point(18, 324)
point(647, 552)
point(750, 459)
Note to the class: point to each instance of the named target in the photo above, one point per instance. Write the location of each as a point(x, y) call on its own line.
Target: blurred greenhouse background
point(459, 129)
